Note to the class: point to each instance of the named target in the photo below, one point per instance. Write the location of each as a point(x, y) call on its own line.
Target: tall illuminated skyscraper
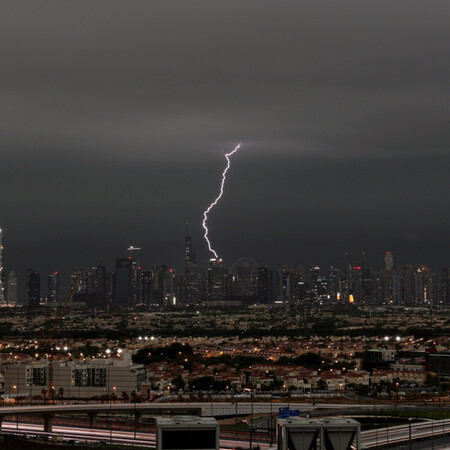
point(217, 280)
point(133, 255)
point(12, 288)
point(189, 255)
point(97, 285)
point(53, 287)
point(388, 261)
point(2, 272)
point(189, 280)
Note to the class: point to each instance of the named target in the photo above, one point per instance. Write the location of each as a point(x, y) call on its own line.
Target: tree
point(178, 383)
point(310, 359)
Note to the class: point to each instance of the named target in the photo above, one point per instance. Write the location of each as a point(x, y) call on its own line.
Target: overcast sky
point(113, 116)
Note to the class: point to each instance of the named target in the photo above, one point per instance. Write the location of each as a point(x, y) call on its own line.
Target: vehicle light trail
point(214, 203)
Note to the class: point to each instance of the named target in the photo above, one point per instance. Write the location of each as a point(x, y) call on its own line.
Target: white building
point(74, 379)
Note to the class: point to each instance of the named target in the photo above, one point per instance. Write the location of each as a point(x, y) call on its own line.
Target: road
point(390, 435)
point(371, 438)
point(147, 439)
point(207, 408)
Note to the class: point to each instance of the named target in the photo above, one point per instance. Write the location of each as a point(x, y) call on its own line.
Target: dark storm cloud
point(111, 114)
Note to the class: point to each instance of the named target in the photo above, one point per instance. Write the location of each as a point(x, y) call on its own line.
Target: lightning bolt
point(214, 203)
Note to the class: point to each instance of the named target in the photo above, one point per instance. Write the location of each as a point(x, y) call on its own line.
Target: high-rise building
point(388, 261)
point(12, 288)
point(425, 286)
point(53, 287)
point(2, 272)
point(285, 284)
point(82, 283)
point(300, 284)
point(109, 288)
point(146, 283)
point(405, 285)
point(169, 287)
point(314, 274)
point(33, 288)
point(123, 292)
point(356, 288)
point(445, 285)
point(189, 254)
point(134, 255)
point(217, 280)
point(242, 281)
point(388, 280)
point(263, 290)
point(158, 284)
point(189, 281)
point(333, 283)
point(97, 285)
point(368, 288)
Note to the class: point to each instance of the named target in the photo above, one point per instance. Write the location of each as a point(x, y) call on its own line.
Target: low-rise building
point(74, 379)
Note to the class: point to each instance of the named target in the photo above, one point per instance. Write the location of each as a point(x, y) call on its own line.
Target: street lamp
point(235, 410)
point(17, 414)
point(410, 441)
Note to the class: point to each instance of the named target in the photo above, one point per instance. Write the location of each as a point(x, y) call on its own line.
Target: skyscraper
point(97, 285)
point(33, 288)
point(387, 279)
point(388, 261)
point(123, 294)
point(189, 256)
point(217, 280)
point(146, 283)
point(243, 280)
point(169, 280)
point(314, 274)
point(53, 287)
point(263, 284)
point(161, 284)
point(2, 273)
point(425, 286)
point(445, 285)
point(133, 254)
point(189, 280)
point(406, 285)
point(12, 288)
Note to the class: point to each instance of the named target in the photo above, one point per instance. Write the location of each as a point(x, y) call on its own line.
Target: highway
point(114, 431)
point(207, 408)
point(147, 439)
point(402, 433)
point(369, 439)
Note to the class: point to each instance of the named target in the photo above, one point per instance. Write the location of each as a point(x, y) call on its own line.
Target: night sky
point(114, 117)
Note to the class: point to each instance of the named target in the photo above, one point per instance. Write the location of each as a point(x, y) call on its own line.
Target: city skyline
point(131, 282)
point(114, 126)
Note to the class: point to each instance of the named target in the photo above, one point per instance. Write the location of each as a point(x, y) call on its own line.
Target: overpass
point(47, 412)
point(222, 409)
